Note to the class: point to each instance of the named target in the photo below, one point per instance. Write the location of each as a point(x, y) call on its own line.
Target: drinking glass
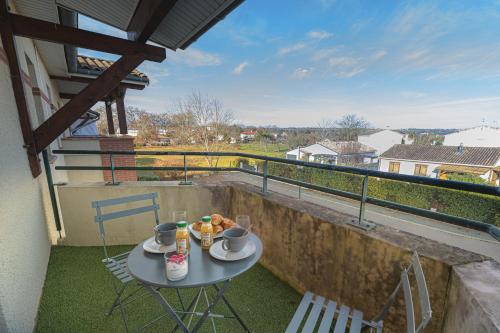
point(243, 221)
point(179, 215)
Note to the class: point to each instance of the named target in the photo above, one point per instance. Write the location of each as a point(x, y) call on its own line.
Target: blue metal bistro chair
point(354, 318)
point(117, 265)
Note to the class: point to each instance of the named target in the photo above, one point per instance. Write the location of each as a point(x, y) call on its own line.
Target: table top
point(149, 268)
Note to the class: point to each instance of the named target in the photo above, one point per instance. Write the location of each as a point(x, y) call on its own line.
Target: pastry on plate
point(228, 223)
point(197, 226)
point(217, 229)
point(217, 219)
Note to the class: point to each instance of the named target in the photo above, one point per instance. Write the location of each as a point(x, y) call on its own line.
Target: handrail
point(363, 197)
point(471, 187)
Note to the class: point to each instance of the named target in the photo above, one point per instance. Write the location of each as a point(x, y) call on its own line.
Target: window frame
point(392, 169)
point(420, 167)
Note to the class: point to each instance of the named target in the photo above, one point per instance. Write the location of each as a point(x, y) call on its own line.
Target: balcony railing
point(361, 196)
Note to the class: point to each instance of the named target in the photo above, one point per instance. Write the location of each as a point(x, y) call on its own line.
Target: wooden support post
point(109, 116)
point(120, 110)
point(17, 86)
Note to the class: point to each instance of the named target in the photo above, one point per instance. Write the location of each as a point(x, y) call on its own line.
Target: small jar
point(182, 238)
point(176, 266)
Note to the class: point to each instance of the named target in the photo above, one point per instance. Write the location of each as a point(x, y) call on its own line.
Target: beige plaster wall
point(79, 160)
point(78, 214)
point(24, 214)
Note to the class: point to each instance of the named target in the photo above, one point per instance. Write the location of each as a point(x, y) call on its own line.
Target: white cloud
point(319, 34)
point(379, 54)
point(193, 57)
point(346, 67)
point(342, 61)
point(301, 73)
point(291, 48)
point(412, 94)
point(323, 53)
point(240, 68)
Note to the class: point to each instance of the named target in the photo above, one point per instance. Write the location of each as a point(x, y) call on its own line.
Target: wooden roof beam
point(147, 17)
point(57, 33)
point(90, 95)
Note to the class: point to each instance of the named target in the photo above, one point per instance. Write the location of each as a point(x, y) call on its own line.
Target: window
point(420, 170)
point(394, 167)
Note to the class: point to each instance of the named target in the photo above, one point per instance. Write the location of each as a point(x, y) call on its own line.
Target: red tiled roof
point(100, 65)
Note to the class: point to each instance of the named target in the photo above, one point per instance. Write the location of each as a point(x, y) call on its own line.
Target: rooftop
point(346, 147)
point(479, 156)
point(95, 66)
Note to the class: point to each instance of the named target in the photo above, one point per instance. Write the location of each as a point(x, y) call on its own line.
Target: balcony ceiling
point(187, 20)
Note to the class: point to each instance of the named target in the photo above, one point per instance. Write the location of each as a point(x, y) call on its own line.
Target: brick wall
point(118, 143)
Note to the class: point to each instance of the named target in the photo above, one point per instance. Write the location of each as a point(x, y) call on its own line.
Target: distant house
point(247, 135)
point(440, 161)
point(334, 152)
point(481, 136)
point(382, 140)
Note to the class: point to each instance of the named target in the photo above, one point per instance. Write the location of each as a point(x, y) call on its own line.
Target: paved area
point(467, 239)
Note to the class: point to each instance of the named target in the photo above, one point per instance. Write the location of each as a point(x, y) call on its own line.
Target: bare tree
point(325, 127)
point(211, 123)
point(349, 127)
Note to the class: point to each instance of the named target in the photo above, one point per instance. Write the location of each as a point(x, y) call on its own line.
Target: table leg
point(163, 302)
point(190, 306)
point(233, 311)
point(216, 299)
point(211, 318)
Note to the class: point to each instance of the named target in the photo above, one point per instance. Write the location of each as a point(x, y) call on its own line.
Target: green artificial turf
point(78, 292)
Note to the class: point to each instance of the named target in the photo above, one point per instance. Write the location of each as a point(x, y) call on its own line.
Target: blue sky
point(293, 63)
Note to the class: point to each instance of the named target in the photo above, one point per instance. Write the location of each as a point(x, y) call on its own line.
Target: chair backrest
point(423, 294)
point(101, 217)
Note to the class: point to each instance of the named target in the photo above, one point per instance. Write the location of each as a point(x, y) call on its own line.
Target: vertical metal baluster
point(264, 179)
point(364, 191)
point(112, 164)
point(185, 181)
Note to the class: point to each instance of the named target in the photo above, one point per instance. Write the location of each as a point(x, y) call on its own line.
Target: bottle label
point(182, 245)
point(206, 239)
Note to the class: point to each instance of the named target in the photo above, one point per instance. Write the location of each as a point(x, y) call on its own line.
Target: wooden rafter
point(90, 95)
point(89, 80)
point(17, 86)
point(53, 32)
point(147, 17)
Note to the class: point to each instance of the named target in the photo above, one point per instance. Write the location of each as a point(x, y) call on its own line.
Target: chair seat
point(118, 266)
point(324, 316)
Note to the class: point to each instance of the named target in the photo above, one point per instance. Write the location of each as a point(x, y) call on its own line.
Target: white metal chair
point(117, 265)
point(343, 315)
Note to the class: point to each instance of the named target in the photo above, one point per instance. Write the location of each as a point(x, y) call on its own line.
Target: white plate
point(218, 252)
point(151, 246)
point(197, 234)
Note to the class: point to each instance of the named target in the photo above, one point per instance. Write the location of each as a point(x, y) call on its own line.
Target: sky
point(398, 64)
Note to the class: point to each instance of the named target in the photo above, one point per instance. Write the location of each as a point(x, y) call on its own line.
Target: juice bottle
point(182, 238)
point(207, 233)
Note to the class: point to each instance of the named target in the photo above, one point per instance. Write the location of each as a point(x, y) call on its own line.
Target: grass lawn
point(78, 292)
point(224, 161)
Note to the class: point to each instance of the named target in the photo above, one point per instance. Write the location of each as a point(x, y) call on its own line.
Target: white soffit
point(186, 19)
point(116, 13)
point(52, 54)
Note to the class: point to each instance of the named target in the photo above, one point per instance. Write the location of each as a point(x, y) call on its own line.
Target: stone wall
point(310, 248)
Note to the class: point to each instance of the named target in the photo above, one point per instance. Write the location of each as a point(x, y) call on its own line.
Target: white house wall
point(24, 205)
point(408, 167)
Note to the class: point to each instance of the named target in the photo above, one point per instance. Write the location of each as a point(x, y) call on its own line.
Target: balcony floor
point(78, 292)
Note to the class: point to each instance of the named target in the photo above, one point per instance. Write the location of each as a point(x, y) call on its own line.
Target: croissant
point(228, 223)
point(197, 226)
point(217, 219)
point(217, 229)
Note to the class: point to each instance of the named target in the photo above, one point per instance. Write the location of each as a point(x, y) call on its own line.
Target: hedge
point(479, 207)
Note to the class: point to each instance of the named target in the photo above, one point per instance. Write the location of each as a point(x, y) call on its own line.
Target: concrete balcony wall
point(78, 215)
point(308, 247)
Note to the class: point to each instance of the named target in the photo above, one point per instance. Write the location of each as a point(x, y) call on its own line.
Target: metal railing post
point(112, 164)
point(264, 178)
point(185, 181)
point(361, 223)
point(50, 184)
